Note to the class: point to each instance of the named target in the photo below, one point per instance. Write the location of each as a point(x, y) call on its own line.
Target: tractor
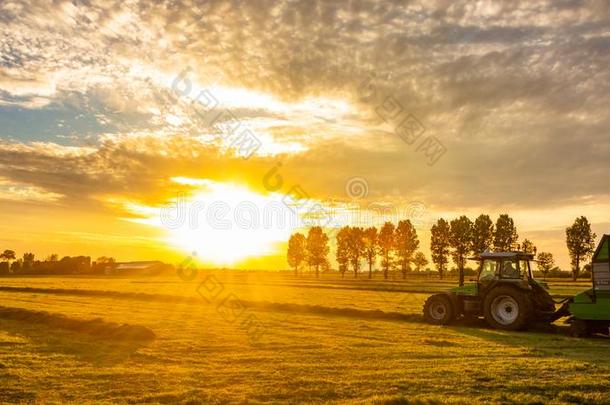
point(508, 297)
point(505, 294)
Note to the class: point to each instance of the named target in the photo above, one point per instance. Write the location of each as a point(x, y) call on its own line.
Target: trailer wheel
point(507, 308)
point(438, 310)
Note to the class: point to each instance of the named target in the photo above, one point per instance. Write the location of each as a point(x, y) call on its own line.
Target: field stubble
point(324, 340)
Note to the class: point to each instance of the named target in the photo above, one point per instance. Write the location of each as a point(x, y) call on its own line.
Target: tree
point(16, 266)
point(405, 238)
point(297, 251)
point(105, 264)
point(461, 242)
point(8, 255)
point(317, 248)
point(370, 247)
point(420, 261)
point(55, 257)
point(439, 245)
point(505, 235)
point(581, 243)
point(100, 260)
point(386, 246)
point(356, 248)
point(342, 255)
point(482, 234)
point(528, 246)
point(28, 261)
point(545, 262)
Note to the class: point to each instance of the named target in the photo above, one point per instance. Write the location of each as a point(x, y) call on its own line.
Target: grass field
point(257, 337)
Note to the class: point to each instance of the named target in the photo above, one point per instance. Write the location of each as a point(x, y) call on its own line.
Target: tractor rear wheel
point(507, 308)
point(438, 310)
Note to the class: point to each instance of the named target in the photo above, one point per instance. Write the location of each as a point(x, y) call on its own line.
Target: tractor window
point(509, 269)
point(488, 270)
point(523, 268)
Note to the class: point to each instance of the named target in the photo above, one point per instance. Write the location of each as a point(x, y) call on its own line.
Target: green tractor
point(505, 294)
point(508, 297)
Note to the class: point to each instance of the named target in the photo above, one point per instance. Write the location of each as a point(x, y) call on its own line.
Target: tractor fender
point(514, 284)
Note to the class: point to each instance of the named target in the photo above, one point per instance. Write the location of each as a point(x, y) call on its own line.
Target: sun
point(225, 223)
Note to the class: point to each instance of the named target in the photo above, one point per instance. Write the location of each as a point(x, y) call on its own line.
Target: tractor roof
point(504, 255)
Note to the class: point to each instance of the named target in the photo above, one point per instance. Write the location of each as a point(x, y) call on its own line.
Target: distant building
point(138, 268)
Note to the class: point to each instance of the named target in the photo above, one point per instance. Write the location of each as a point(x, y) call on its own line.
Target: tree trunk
point(385, 273)
point(296, 271)
point(461, 276)
point(576, 269)
point(370, 269)
point(317, 271)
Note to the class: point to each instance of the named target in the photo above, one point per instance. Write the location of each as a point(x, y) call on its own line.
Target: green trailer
point(590, 309)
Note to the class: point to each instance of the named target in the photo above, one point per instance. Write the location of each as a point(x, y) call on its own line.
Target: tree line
point(52, 264)
point(396, 246)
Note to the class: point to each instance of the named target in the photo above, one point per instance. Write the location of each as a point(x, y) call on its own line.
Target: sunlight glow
point(223, 223)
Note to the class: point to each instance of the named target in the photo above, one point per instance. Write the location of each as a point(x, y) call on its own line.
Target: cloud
point(517, 93)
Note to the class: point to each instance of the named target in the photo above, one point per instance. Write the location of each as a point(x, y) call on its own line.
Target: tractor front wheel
point(507, 308)
point(438, 310)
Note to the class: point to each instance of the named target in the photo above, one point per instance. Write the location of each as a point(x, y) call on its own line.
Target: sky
point(145, 130)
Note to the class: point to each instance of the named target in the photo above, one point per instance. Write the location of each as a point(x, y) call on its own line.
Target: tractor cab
point(512, 267)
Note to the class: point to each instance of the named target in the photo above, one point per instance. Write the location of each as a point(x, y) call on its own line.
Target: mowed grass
point(313, 351)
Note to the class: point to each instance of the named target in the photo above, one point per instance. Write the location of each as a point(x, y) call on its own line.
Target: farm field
point(254, 337)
